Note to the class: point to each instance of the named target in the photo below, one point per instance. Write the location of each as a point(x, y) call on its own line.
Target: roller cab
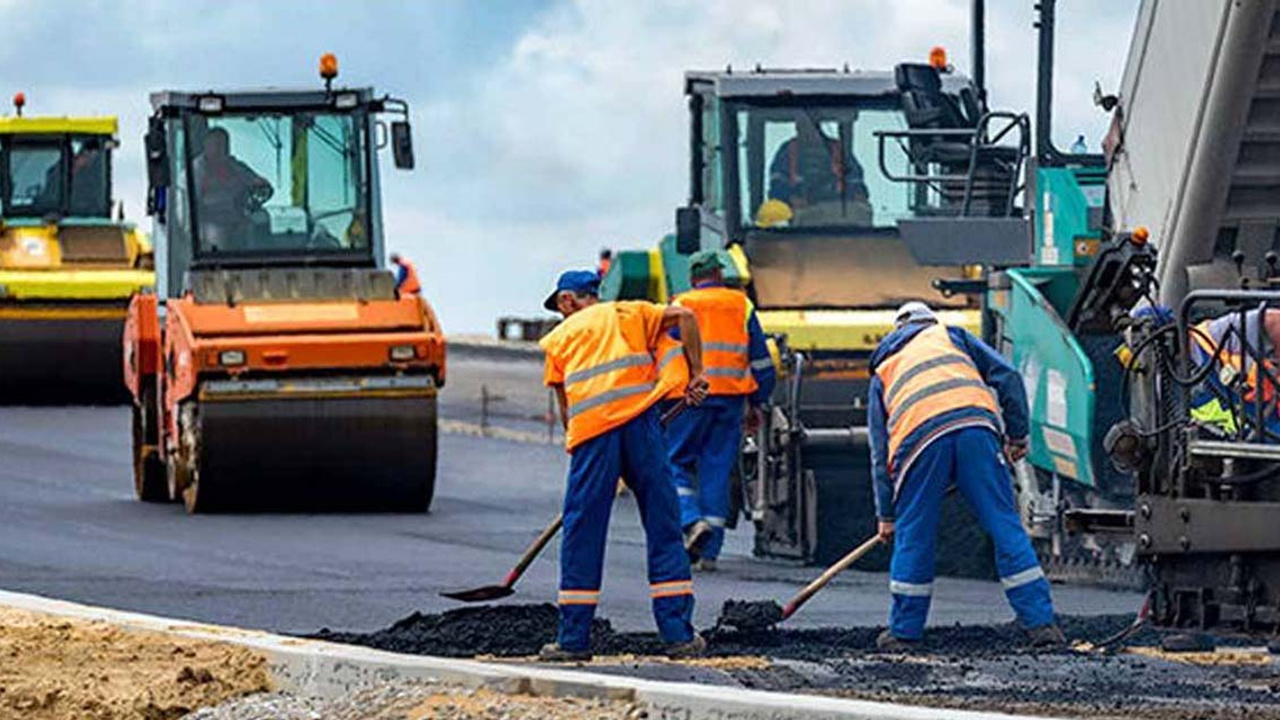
point(67, 266)
point(278, 367)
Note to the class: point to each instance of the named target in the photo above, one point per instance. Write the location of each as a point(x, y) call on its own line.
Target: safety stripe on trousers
point(1019, 579)
point(923, 367)
point(686, 492)
point(762, 364)
point(898, 587)
point(724, 347)
point(670, 355)
point(579, 597)
point(930, 390)
point(715, 522)
point(674, 588)
point(609, 396)
point(626, 361)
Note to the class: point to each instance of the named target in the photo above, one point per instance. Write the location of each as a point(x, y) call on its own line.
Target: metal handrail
point(978, 139)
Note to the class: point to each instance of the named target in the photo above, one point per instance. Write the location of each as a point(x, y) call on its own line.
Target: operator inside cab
point(820, 182)
point(231, 194)
point(1229, 392)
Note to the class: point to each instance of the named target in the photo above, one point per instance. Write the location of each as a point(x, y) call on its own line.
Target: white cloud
point(578, 138)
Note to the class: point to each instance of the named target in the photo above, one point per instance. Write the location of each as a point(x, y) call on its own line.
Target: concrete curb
point(329, 669)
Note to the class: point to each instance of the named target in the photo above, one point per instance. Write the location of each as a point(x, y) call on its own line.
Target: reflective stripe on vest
point(722, 320)
point(927, 377)
point(611, 367)
point(1230, 364)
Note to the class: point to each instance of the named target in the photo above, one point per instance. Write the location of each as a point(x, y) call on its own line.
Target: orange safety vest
point(722, 320)
point(410, 284)
point(1230, 364)
point(614, 365)
point(926, 378)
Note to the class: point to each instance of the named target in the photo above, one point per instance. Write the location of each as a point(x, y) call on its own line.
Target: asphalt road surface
point(70, 528)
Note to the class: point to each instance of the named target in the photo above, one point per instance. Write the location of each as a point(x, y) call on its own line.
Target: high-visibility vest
point(722, 321)
point(410, 283)
point(929, 376)
point(609, 357)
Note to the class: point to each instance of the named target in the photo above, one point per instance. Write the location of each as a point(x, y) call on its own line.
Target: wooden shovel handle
point(840, 566)
point(534, 550)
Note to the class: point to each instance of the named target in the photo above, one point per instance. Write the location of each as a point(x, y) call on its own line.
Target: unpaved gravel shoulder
point(418, 700)
point(53, 668)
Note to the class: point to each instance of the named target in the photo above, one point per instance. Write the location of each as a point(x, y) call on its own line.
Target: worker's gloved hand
point(1017, 448)
point(884, 530)
point(753, 420)
point(696, 392)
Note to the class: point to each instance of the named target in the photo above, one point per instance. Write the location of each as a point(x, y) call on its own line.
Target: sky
point(543, 129)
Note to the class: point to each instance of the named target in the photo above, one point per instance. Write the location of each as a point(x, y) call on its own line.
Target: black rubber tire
point(150, 483)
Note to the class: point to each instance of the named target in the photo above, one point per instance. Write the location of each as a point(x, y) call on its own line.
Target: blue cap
point(582, 282)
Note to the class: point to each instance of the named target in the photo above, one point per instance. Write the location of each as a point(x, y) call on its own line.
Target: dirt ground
point(57, 669)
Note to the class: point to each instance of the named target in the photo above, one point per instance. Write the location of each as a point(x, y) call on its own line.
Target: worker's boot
point(1046, 636)
point(695, 537)
point(705, 565)
point(695, 648)
point(552, 652)
point(886, 641)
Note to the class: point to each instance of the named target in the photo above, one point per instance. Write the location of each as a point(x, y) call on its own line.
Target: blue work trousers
point(704, 443)
point(636, 452)
point(972, 459)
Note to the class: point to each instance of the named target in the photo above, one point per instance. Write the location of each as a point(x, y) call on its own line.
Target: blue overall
point(704, 442)
point(636, 451)
point(970, 458)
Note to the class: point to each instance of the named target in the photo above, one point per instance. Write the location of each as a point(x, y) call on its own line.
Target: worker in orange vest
point(704, 442)
point(606, 261)
point(943, 409)
point(406, 276)
point(609, 363)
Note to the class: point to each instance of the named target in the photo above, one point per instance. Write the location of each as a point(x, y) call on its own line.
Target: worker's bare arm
point(563, 402)
point(691, 338)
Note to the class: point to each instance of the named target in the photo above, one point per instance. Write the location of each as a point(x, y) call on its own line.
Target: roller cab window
point(56, 176)
point(279, 185)
point(816, 167)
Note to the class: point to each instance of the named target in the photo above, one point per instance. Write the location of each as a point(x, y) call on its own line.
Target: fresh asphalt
point(70, 528)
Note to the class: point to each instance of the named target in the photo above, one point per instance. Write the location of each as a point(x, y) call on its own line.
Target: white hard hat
point(914, 311)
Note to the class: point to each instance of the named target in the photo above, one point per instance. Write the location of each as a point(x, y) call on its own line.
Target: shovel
point(507, 587)
point(762, 615)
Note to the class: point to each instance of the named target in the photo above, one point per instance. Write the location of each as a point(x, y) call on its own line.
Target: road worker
point(609, 363)
point(704, 442)
point(605, 262)
point(1227, 397)
point(406, 276)
point(939, 405)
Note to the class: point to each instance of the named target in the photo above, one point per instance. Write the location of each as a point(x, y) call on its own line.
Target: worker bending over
point(934, 422)
point(610, 363)
point(406, 276)
point(704, 442)
point(1230, 390)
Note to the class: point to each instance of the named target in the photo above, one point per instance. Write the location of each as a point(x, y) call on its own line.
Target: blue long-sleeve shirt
point(995, 371)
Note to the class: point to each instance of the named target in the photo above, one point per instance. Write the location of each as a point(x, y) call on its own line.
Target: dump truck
point(278, 366)
point(68, 261)
point(794, 173)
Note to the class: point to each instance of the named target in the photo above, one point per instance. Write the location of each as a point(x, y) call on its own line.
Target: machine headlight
point(210, 104)
point(402, 353)
point(231, 357)
point(345, 101)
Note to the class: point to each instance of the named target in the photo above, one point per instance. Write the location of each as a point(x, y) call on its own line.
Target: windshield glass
point(90, 192)
point(34, 182)
point(280, 183)
point(817, 167)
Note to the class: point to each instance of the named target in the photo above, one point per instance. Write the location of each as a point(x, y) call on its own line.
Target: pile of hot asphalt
point(973, 667)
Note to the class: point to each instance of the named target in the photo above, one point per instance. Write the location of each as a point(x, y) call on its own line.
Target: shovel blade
point(481, 594)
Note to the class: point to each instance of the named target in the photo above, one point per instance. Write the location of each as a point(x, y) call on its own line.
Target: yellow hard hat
point(773, 213)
